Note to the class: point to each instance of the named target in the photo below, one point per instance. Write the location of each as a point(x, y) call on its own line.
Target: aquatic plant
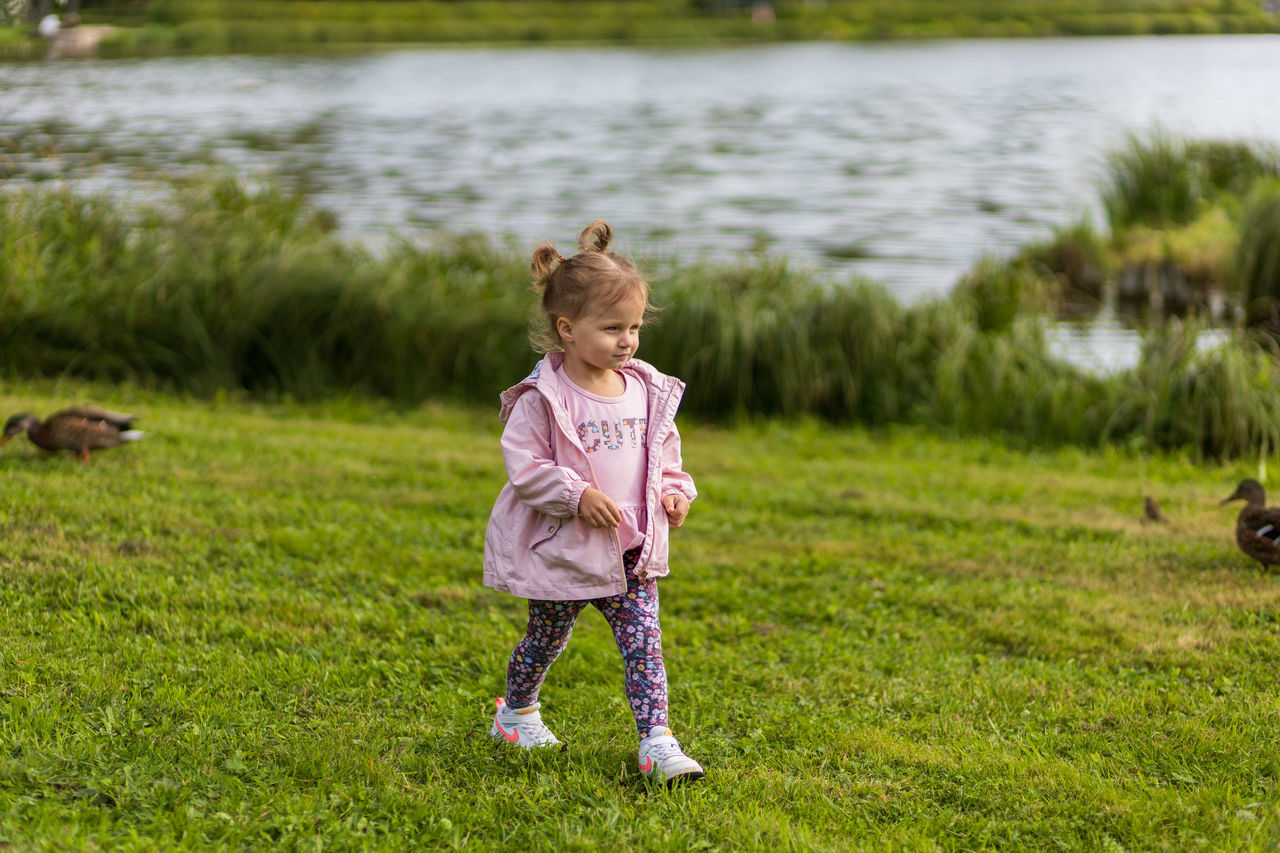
point(998, 293)
point(228, 285)
point(236, 287)
point(1257, 260)
point(1150, 183)
point(1164, 180)
point(1216, 400)
point(761, 337)
point(1076, 256)
point(1231, 166)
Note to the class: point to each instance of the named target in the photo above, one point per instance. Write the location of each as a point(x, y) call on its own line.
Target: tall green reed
point(1076, 259)
point(764, 338)
point(231, 286)
point(1164, 180)
point(1217, 401)
point(1257, 261)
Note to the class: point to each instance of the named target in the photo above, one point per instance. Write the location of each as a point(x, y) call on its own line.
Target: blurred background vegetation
point(216, 26)
point(222, 284)
point(226, 285)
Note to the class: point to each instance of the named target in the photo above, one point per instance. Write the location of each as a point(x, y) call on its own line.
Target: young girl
point(594, 482)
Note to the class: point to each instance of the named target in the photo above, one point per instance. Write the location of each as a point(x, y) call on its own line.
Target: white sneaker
point(523, 726)
point(662, 759)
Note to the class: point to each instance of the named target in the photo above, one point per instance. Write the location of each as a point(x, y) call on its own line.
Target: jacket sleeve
point(674, 478)
point(529, 456)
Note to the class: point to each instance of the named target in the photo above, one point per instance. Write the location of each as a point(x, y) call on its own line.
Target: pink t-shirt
point(614, 431)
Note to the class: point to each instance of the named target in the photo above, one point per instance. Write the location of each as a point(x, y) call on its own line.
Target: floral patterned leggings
point(633, 616)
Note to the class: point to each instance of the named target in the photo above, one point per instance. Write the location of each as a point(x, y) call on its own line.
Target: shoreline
point(338, 28)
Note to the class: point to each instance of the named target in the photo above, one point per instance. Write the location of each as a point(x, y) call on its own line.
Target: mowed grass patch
point(264, 625)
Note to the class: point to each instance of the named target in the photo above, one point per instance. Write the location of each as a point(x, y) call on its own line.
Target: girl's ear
point(564, 329)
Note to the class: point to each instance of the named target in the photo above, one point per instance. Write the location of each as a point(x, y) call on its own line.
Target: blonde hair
point(569, 286)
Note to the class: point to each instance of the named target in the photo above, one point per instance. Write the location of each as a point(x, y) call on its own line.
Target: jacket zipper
point(643, 571)
point(617, 540)
point(613, 531)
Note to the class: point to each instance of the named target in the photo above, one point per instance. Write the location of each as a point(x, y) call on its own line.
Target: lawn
point(238, 26)
point(263, 625)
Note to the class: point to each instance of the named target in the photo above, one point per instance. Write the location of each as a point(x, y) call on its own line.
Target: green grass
point(167, 27)
point(218, 26)
point(264, 626)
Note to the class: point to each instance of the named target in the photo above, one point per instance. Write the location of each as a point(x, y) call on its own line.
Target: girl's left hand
point(677, 507)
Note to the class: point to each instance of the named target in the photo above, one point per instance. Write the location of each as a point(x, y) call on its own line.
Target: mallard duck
point(1151, 510)
point(1257, 528)
point(78, 429)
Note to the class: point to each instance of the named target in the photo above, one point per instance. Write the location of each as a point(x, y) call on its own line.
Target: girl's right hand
point(598, 510)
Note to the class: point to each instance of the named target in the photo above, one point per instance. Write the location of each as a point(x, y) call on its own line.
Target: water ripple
point(900, 162)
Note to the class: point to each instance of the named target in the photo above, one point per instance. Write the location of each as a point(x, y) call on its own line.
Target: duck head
point(1249, 491)
point(16, 424)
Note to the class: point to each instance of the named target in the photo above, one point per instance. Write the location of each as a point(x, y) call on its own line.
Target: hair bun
point(595, 237)
point(545, 260)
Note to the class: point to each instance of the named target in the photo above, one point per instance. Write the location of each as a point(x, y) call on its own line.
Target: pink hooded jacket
point(536, 546)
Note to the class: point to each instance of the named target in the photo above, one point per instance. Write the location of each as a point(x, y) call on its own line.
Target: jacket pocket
point(544, 528)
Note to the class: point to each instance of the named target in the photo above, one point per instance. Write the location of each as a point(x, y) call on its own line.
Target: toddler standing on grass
point(594, 482)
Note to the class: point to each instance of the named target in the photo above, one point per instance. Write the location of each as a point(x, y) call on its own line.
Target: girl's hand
point(677, 507)
point(598, 510)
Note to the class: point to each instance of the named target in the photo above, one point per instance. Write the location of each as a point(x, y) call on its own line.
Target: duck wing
point(119, 420)
point(77, 429)
point(1258, 534)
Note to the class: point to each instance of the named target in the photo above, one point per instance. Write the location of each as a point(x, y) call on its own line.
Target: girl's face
point(604, 338)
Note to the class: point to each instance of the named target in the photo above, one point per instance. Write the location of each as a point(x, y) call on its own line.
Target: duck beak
point(4, 439)
point(1235, 496)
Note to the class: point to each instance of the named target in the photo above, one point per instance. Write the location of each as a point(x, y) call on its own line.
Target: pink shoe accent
point(526, 727)
point(511, 736)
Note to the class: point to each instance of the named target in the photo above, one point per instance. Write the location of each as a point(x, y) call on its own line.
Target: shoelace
point(665, 749)
point(535, 729)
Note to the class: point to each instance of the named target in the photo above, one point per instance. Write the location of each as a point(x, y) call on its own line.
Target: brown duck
point(1257, 528)
point(78, 429)
point(1151, 510)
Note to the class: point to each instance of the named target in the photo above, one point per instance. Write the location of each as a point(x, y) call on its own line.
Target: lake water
point(900, 162)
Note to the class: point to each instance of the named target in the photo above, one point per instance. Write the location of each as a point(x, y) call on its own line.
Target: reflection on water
point(900, 162)
point(1103, 345)
point(1106, 344)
